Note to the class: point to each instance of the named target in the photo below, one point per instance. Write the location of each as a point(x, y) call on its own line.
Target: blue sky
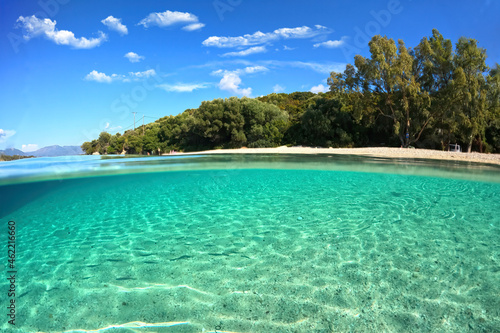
point(71, 69)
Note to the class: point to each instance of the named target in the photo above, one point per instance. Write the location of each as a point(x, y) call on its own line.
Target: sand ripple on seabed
point(287, 262)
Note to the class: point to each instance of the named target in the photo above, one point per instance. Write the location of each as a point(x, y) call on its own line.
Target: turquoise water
point(252, 244)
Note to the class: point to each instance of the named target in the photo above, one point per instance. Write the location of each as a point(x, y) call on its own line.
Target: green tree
point(212, 123)
point(470, 88)
point(327, 124)
point(492, 132)
point(295, 104)
point(87, 148)
point(264, 124)
point(433, 69)
point(116, 144)
point(390, 89)
point(133, 143)
point(150, 139)
point(219, 123)
point(103, 142)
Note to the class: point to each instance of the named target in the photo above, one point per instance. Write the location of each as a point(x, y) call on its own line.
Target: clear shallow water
point(253, 244)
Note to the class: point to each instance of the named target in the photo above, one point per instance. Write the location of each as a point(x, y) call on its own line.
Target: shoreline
point(383, 152)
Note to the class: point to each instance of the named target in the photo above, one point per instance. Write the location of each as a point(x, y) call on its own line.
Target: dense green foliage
point(428, 96)
point(228, 123)
point(13, 157)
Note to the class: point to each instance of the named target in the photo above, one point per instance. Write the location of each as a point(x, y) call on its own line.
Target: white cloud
point(145, 74)
point(219, 72)
point(194, 26)
point(132, 76)
point(5, 134)
point(109, 128)
point(182, 87)
point(261, 38)
point(323, 68)
point(231, 82)
point(319, 67)
point(252, 50)
point(133, 57)
point(286, 48)
point(241, 71)
point(331, 43)
point(319, 88)
point(34, 27)
point(254, 69)
point(169, 18)
point(115, 24)
point(277, 88)
point(98, 77)
point(29, 147)
point(300, 32)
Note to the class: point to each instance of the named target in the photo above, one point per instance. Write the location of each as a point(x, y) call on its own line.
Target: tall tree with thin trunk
point(388, 88)
point(469, 84)
point(433, 69)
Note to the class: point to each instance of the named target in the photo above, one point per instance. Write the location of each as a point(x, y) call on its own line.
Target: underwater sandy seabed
point(258, 251)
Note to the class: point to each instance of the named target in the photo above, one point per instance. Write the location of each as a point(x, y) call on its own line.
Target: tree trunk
point(469, 147)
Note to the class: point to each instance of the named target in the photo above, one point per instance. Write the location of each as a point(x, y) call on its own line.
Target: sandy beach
point(374, 152)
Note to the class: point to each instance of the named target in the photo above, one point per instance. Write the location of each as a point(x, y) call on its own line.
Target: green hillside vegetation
point(12, 157)
point(428, 97)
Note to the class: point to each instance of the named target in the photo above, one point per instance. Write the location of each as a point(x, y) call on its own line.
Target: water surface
point(253, 244)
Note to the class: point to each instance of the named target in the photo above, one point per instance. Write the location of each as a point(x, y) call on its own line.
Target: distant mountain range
point(49, 151)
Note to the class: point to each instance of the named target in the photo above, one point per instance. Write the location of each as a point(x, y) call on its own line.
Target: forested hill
point(427, 96)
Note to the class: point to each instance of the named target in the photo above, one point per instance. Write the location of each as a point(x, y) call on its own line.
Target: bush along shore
point(12, 157)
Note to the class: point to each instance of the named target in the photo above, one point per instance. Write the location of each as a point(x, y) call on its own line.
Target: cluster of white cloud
point(183, 87)
point(34, 27)
point(231, 80)
point(5, 134)
point(169, 18)
point(132, 76)
point(262, 38)
point(245, 45)
point(115, 24)
point(133, 57)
